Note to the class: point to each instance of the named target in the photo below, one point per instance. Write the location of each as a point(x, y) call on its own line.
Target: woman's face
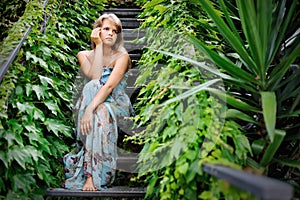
point(108, 32)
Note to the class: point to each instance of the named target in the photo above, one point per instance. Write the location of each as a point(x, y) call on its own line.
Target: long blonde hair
point(119, 44)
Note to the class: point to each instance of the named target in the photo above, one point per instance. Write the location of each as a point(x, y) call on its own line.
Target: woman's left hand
point(86, 124)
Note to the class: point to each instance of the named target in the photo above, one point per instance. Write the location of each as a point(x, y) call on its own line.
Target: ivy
point(36, 122)
point(182, 130)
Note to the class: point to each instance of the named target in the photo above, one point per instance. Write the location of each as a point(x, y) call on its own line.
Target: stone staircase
point(130, 23)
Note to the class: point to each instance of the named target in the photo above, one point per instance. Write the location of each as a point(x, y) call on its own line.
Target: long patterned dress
point(96, 153)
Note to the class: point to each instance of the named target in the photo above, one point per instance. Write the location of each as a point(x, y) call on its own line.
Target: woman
point(103, 104)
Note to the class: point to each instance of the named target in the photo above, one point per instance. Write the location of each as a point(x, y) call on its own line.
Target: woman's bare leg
point(89, 184)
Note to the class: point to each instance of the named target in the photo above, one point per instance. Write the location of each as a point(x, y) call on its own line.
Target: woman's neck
point(107, 51)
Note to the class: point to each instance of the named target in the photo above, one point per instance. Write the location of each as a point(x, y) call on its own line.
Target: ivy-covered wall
point(183, 123)
point(36, 121)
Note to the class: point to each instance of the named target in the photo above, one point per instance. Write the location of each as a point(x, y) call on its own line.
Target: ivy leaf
point(19, 154)
point(14, 133)
point(192, 171)
point(46, 80)
point(3, 157)
point(10, 138)
point(31, 128)
point(44, 145)
point(51, 105)
point(25, 107)
point(242, 146)
point(63, 95)
point(177, 146)
point(28, 88)
point(22, 182)
point(43, 171)
point(39, 91)
point(46, 50)
point(38, 60)
point(38, 114)
point(57, 126)
point(183, 168)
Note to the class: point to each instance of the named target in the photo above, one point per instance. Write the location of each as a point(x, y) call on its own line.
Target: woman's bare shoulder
point(121, 55)
point(85, 53)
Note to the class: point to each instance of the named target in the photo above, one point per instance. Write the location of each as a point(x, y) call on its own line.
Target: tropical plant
point(36, 96)
point(261, 70)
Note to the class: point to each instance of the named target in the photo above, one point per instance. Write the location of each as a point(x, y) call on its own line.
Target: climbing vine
point(37, 95)
point(182, 130)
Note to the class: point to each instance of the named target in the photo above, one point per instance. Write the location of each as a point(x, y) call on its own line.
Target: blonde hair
point(119, 44)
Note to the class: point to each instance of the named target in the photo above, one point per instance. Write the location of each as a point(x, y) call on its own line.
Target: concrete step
point(128, 16)
point(130, 23)
point(127, 163)
point(133, 34)
point(132, 46)
point(115, 191)
point(132, 76)
point(135, 56)
point(124, 12)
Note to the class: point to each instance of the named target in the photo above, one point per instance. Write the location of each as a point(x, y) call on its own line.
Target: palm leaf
point(281, 23)
point(199, 64)
point(273, 147)
point(289, 162)
point(192, 91)
point(280, 70)
point(290, 114)
point(269, 111)
point(236, 103)
point(264, 14)
point(236, 114)
point(229, 21)
point(248, 19)
point(229, 36)
point(223, 62)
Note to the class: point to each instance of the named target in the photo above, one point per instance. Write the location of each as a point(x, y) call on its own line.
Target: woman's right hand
point(95, 36)
point(86, 123)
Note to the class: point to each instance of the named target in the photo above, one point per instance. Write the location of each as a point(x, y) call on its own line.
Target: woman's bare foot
point(89, 185)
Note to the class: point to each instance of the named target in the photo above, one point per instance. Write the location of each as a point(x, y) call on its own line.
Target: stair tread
point(123, 9)
point(115, 191)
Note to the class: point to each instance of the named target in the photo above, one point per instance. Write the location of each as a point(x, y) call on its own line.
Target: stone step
point(132, 46)
point(133, 34)
point(135, 56)
point(132, 76)
point(115, 191)
point(124, 163)
point(124, 12)
point(127, 163)
point(128, 16)
point(130, 23)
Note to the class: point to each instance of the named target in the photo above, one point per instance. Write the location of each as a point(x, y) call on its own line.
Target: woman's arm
point(91, 64)
point(120, 68)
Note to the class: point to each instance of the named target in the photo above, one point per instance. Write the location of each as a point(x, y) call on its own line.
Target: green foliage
point(10, 11)
point(36, 97)
point(259, 65)
point(269, 63)
point(183, 123)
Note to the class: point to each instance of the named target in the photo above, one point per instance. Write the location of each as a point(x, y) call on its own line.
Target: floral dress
point(96, 153)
